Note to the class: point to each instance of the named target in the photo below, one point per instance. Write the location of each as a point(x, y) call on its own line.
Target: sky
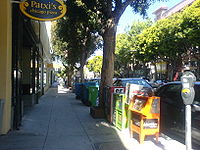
point(129, 17)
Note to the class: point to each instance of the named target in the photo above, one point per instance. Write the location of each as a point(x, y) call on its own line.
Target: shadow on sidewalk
point(60, 122)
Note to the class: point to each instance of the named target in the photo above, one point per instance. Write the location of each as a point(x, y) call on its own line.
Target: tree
point(191, 28)
point(161, 42)
point(77, 32)
point(169, 38)
point(122, 56)
point(94, 65)
point(61, 51)
point(190, 24)
point(108, 13)
point(125, 60)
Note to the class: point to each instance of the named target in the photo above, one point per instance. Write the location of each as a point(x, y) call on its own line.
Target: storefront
point(25, 53)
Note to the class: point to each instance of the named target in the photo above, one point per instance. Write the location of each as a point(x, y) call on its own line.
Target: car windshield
point(122, 82)
point(173, 91)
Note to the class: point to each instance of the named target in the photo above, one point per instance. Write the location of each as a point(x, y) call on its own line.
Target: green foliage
point(168, 38)
point(126, 46)
point(95, 64)
point(74, 36)
point(191, 24)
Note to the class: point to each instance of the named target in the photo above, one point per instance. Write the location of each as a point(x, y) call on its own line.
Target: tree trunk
point(82, 64)
point(69, 80)
point(69, 76)
point(108, 61)
point(155, 75)
point(82, 73)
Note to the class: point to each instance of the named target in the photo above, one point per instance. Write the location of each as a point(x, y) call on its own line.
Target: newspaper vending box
point(145, 116)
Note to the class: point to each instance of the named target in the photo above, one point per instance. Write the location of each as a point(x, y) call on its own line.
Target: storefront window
point(40, 74)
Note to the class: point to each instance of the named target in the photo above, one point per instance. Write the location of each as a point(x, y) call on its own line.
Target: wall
point(47, 58)
point(5, 62)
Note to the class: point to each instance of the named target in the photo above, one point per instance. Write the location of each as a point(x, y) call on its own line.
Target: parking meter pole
point(188, 140)
point(188, 94)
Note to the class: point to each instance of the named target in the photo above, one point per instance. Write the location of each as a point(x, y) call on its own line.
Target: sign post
point(188, 94)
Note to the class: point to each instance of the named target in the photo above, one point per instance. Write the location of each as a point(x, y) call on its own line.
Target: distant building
point(164, 12)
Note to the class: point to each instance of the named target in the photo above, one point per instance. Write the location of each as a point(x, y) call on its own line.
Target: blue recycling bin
point(78, 90)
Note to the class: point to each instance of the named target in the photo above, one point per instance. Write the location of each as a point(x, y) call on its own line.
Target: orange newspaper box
point(145, 116)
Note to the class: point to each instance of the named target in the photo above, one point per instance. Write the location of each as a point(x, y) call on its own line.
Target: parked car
point(146, 90)
point(173, 109)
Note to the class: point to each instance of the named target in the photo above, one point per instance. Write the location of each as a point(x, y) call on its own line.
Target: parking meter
point(187, 92)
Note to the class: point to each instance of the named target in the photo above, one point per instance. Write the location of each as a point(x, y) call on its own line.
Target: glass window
point(136, 81)
point(172, 94)
point(197, 93)
point(45, 78)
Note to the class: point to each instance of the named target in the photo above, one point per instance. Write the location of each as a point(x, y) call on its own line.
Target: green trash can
point(121, 111)
point(93, 95)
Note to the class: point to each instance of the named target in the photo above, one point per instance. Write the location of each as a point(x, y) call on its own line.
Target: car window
point(129, 81)
point(121, 82)
point(176, 88)
point(170, 90)
point(144, 83)
point(171, 94)
point(137, 81)
point(160, 90)
point(118, 83)
point(197, 93)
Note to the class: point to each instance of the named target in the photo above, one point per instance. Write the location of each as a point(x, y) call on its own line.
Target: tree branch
point(120, 10)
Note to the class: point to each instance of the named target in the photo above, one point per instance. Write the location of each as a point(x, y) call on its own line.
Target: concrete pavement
point(60, 122)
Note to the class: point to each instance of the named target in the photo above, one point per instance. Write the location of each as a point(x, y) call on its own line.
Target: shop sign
point(43, 10)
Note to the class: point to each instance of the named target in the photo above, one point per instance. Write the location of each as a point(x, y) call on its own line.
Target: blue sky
point(128, 16)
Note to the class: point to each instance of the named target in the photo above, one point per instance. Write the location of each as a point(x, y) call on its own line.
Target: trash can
point(85, 92)
point(93, 95)
point(78, 90)
point(1, 113)
point(85, 95)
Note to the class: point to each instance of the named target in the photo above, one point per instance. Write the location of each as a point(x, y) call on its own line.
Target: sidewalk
point(60, 122)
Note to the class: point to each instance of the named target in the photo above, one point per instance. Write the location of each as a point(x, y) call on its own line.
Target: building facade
point(25, 64)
